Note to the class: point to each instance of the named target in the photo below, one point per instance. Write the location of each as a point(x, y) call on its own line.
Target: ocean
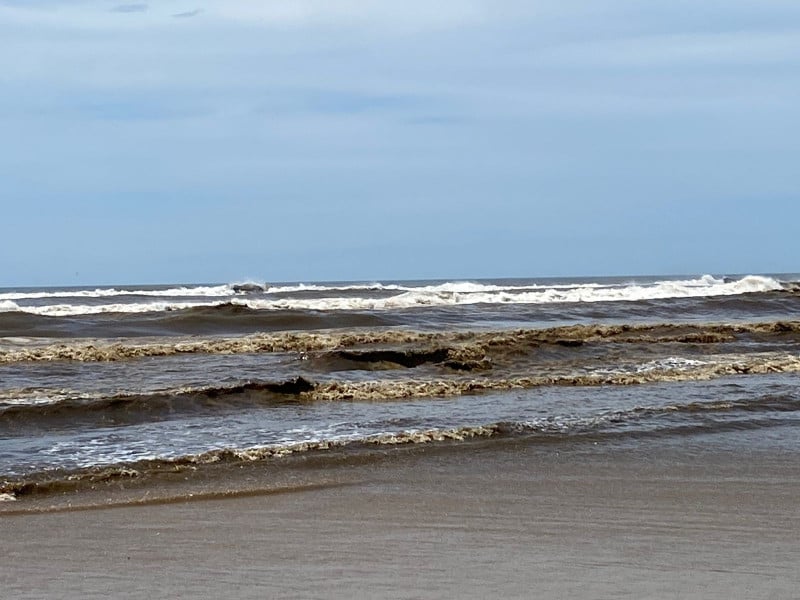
point(130, 385)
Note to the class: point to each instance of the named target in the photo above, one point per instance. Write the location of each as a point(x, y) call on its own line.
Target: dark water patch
point(127, 409)
point(459, 359)
point(14, 324)
point(765, 305)
point(235, 318)
point(407, 358)
point(248, 288)
point(50, 380)
point(202, 320)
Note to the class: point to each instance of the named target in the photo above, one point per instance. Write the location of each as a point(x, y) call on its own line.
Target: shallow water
point(111, 377)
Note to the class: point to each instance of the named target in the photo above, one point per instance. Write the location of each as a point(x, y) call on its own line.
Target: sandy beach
point(507, 519)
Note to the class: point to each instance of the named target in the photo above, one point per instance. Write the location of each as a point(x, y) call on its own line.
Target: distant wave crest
point(342, 298)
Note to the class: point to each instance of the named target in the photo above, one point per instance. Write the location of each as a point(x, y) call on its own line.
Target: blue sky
point(199, 140)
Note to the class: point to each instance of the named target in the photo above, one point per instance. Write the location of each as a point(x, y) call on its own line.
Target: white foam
point(447, 294)
point(31, 401)
point(40, 396)
point(309, 287)
point(179, 292)
point(668, 364)
point(8, 306)
point(671, 363)
point(463, 287)
point(68, 310)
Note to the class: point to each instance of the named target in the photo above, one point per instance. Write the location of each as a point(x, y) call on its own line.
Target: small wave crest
point(49, 408)
point(9, 306)
point(176, 292)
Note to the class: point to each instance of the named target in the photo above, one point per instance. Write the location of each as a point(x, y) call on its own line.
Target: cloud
point(695, 49)
point(129, 8)
point(188, 14)
point(341, 102)
point(94, 105)
point(411, 14)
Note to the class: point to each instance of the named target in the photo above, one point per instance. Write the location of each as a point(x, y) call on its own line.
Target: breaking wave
point(185, 291)
point(481, 341)
point(333, 298)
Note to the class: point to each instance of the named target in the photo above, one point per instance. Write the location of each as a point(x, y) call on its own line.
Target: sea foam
point(445, 294)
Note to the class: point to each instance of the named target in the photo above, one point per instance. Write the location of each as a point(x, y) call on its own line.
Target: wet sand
point(504, 519)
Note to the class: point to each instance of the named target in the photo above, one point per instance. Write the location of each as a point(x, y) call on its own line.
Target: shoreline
point(515, 519)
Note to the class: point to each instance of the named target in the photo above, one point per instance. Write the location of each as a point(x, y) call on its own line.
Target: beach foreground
point(513, 519)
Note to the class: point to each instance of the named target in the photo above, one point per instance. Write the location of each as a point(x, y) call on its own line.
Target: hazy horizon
point(619, 278)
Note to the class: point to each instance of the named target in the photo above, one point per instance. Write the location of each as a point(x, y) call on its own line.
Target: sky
point(299, 140)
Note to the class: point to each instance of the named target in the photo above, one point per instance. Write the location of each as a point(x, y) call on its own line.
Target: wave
point(665, 421)
point(446, 294)
point(177, 292)
point(471, 344)
point(372, 391)
point(460, 287)
point(38, 408)
point(71, 310)
point(232, 289)
point(224, 318)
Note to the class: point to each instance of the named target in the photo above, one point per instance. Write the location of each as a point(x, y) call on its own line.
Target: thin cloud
point(408, 15)
point(693, 50)
point(344, 102)
point(188, 14)
point(129, 8)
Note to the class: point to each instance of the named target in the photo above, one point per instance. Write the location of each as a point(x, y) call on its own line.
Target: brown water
point(110, 384)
